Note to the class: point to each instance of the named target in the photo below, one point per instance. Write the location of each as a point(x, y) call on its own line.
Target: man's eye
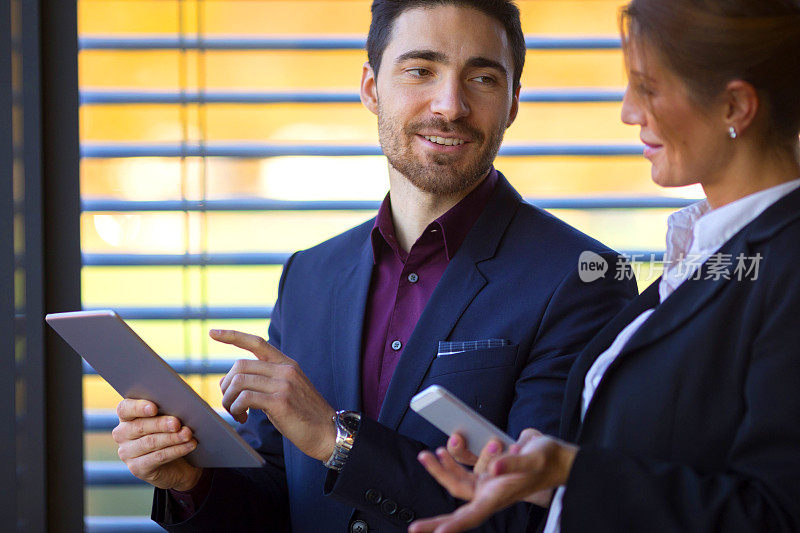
point(484, 79)
point(419, 72)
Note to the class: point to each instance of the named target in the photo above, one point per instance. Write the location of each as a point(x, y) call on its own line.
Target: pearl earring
point(732, 132)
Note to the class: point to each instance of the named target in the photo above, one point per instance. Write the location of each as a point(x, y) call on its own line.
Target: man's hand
point(153, 447)
point(276, 385)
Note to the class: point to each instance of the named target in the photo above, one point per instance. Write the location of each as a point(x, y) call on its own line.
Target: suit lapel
point(460, 284)
point(350, 303)
point(676, 310)
point(693, 295)
point(689, 298)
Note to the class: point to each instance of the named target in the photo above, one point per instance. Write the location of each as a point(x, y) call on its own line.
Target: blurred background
point(218, 136)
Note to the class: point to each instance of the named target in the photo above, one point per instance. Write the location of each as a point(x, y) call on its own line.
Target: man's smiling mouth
point(446, 141)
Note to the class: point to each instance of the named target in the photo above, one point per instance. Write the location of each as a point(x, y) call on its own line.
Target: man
point(368, 319)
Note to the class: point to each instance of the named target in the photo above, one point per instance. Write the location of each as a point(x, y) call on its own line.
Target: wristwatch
point(347, 424)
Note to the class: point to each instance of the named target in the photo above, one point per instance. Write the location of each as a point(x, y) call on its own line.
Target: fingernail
point(453, 442)
point(494, 447)
point(149, 410)
point(215, 331)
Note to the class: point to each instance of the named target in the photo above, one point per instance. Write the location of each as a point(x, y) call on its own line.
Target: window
point(220, 135)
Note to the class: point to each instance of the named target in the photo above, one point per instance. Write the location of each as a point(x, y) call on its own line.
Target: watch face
point(350, 421)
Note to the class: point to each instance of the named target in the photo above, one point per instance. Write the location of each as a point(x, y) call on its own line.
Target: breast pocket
point(474, 360)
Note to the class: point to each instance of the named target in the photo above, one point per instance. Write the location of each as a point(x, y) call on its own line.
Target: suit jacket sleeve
point(757, 491)
point(247, 499)
point(384, 460)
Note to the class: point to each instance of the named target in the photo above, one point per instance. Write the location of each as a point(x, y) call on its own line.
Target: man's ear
point(369, 88)
point(741, 105)
point(512, 115)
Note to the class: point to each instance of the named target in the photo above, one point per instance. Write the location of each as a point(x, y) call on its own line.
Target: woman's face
point(685, 143)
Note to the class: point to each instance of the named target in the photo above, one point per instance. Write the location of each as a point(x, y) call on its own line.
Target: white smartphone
point(444, 410)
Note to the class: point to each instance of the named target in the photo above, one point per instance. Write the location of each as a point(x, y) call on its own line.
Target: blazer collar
point(689, 298)
point(461, 282)
point(775, 218)
point(693, 295)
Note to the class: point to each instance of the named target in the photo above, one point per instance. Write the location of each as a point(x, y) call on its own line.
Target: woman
point(685, 410)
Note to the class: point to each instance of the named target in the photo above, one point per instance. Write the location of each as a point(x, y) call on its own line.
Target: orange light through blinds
point(217, 136)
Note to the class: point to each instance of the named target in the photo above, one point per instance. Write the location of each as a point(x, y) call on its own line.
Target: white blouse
point(694, 234)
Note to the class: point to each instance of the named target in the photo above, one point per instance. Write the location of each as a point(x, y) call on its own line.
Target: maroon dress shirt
point(402, 283)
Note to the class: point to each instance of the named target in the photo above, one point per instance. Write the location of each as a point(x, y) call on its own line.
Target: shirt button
point(413, 277)
point(396, 345)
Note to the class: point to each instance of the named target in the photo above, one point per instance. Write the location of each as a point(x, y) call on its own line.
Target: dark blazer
point(696, 426)
point(515, 277)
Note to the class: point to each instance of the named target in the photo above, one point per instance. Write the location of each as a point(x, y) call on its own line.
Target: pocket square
point(457, 347)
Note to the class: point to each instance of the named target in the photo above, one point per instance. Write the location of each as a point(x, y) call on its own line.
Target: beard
point(439, 174)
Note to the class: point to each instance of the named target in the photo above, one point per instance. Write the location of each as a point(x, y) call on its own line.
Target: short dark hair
point(385, 12)
point(709, 43)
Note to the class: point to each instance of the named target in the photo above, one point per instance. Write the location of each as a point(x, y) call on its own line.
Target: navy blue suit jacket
point(515, 277)
point(696, 425)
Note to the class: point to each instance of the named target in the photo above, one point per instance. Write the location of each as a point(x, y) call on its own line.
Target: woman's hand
point(445, 468)
point(531, 469)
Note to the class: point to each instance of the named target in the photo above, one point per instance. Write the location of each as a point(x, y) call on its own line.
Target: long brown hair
point(709, 43)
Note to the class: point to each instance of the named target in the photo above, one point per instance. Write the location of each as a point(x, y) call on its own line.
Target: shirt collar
point(698, 229)
point(697, 232)
point(454, 225)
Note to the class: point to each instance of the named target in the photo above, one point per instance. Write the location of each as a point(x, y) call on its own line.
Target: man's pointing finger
point(252, 343)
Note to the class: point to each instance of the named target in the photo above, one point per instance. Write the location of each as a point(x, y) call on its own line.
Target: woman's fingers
point(489, 452)
point(457, 480)
point(522, 463)
point(429, 525)
point(464, 518)
point(457, 447)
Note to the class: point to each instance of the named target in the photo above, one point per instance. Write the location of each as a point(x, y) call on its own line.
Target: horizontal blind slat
point(266, 204)
point(128, 97)
point(308, 43)
point(258, 151)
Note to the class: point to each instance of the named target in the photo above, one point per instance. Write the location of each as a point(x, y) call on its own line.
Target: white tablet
point(129, 365)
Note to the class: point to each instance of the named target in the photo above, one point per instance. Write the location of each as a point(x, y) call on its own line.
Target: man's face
point(444, 96)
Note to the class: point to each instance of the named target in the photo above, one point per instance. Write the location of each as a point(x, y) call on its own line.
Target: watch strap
point(346, 427)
